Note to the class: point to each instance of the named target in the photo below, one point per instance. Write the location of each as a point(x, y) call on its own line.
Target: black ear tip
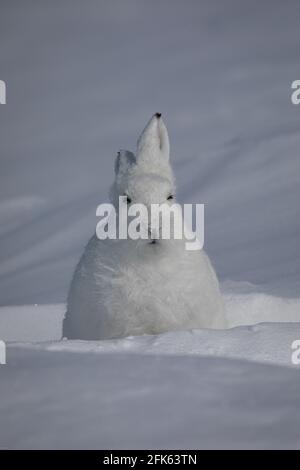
point(158, 115)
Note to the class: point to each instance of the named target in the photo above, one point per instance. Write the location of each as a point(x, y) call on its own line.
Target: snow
point(234, 388)
point(57, 400)
point(270, 343)
point(81, 81)
point(262, 328)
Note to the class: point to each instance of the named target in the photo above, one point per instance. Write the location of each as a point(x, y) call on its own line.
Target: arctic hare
point(132, 287)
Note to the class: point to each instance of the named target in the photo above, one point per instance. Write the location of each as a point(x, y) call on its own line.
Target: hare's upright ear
point(153, 143)
point(125, 159)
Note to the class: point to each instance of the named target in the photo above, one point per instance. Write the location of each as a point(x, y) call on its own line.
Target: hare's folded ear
point(125, 159)
point(153, 142)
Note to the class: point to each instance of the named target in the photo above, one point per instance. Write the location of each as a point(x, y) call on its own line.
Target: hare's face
point(147, 189)
point(151, 191)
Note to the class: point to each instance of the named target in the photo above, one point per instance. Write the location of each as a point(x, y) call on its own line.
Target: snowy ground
point(233, 388)
point(57, 400)
point(82, 79)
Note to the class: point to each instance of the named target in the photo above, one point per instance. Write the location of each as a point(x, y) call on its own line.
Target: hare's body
point(132, 287)
point(121, 289)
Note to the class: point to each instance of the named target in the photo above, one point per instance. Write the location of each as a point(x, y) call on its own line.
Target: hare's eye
point(170, 197)
point(128, 199)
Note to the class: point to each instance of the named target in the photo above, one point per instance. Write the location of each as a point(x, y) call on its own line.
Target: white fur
point(127, 287)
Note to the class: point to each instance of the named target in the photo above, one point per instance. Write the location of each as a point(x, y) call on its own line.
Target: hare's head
point(146, 178)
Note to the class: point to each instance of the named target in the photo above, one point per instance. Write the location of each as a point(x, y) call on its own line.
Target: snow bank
point(182, 389)
point(262, 329)
point(245, 304)
point(58, 400)
point(268, 342)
